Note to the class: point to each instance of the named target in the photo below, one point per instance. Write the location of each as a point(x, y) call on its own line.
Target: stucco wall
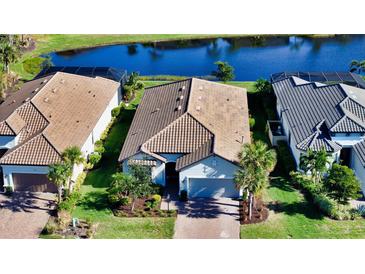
point(211, 167)
point(359, 170)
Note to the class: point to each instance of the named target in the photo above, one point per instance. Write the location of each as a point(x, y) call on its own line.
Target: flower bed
point(142, 210)
point(259, 212)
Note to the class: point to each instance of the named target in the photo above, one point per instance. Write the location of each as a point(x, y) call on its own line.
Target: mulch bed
point(140, 210)
point(259, 213)
point(81, 230)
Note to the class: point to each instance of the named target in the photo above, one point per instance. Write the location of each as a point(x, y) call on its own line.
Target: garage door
point(212, 188)
point(33, 182)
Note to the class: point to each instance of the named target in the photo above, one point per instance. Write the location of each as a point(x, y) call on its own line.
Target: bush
point(156, 197)
point(285, 157)
point(8, 190)
point(94, 158)
point(116, 111)
point(325, 204)
point(157, 188)
point(183, 196)
point(252, 122)
point(100, 149)
point(117, 200)
point(50, 228)
point(70, 202)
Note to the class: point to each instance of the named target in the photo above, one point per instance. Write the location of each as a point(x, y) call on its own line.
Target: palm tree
point(58, 174)
point(73, 156)
point(315, 163)
point(357, 66)
point(256, 162)
point(8, 55)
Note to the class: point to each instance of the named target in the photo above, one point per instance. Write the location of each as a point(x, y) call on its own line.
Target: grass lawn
point(291, 216)
point(94, 204)
point(294, 217)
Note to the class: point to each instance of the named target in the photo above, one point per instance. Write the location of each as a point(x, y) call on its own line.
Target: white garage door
point(212, 188)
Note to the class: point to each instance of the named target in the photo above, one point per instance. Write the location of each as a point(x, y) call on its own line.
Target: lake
point(251, 57)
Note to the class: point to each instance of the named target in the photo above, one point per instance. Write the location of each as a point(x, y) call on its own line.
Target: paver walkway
point(24, 214)
point(208, 219)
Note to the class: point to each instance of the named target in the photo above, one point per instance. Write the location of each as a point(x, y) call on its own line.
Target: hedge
point(285, 157)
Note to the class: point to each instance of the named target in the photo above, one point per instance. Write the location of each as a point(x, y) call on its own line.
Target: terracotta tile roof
point(213, 119)
point(35, 151)
point(184, 135)
point(60, 112)
point(5, 129)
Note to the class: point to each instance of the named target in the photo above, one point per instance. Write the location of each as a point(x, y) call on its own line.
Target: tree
point(120, 186)
point(262, 85)
point(58, 174)
point(73, 156)
point(341, 184)
point(357, 66)
point(224, 72)
point(315, 163)
point(256, 162)
point(132, 85)
point(8, 55)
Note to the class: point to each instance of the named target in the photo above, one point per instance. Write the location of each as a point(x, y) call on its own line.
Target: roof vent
point(27, 99)
point(94, 95)
point(200, 87)
point(89, 91)
point(46, 100)
point(77, 121)
point(182, 88)
point(227, 99)
point(198, 108)
point(199, 98)
point(50, 116)
point(178, 108)
point(44, 81)
point(62, 81)
point(54, 90)
point(13, 101)
point(35, 90)
point(181, 97)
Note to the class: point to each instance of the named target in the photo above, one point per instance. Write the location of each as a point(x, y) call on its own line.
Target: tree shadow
point(94, 200)
point(25, 202)
point(295, 208)
point(207, 208)
point(282, 184)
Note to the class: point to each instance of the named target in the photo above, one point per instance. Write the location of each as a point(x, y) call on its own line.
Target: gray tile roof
point(314, 111)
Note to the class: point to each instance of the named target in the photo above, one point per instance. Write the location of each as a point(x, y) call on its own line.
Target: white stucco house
point(190, 133)
point(49, 114)
point(316, 115)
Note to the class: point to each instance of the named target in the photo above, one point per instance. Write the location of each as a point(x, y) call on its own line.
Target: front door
point(172, 178)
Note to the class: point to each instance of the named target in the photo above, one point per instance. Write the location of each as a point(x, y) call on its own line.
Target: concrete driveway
point(24, 214)
point(208, 219)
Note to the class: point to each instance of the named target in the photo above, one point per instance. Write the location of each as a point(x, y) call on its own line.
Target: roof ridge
point(169, 83)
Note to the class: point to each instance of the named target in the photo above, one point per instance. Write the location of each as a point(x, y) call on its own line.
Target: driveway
point(24, 214)
point(208, 219)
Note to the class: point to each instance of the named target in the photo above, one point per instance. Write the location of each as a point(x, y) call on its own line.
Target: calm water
point(251, 57)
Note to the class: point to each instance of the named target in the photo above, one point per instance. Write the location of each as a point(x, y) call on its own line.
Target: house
point(190, 133)
point(318, 116)
point(49, 114)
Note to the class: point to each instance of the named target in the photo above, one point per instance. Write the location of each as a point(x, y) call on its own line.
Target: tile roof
point(360, 151)
point(52, 113)
point(340, 107)
point(213, 118)
point(35, 151)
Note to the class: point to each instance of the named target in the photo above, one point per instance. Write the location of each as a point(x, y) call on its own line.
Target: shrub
point(285, 157)
point(94, 158)
point(116, 200)
point(156, 197)
point(99, 149)
point(263, 85)
point(157, 188)
point(50, 228)
point(252, 122)
point(70, 202)
point(116, 111)
point(183, 196)
point(8, 190)
point(325, 204)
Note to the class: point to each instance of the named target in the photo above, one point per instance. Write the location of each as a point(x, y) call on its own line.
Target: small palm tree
point(59, 174)
point(73, 156)
point(315, 162)
point(256, 162)
point(8, 55)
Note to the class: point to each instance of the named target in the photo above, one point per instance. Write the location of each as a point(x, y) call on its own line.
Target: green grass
point(294, 217)
point(291, 216)
point(94, 204)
